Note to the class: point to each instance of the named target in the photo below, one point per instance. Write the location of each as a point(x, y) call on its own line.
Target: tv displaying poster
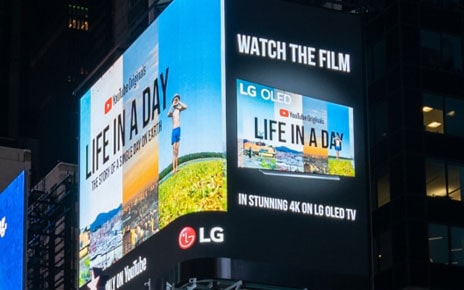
point(284, 131)
point(12, 234)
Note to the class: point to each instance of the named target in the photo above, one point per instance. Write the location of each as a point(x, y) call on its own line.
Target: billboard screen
point(12, 234)
point(156, 110)
point(296, 161)
point(214, 137)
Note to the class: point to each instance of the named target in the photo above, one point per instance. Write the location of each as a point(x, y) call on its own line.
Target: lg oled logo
point(267, 94)
point(188, 236)
point(3, 226)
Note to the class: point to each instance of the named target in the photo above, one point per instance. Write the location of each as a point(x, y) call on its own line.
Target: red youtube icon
point(284, 112)
point(108, 105)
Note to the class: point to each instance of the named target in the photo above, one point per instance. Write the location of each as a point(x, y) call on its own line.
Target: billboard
point(296, 160)
point(151, 146)
point(12, 234)
point(214, 137)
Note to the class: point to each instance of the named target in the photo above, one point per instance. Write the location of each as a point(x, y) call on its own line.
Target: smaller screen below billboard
point(287, 132)
point(12, 211)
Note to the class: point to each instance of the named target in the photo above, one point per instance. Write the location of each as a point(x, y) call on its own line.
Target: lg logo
point(188, 236)
point(3, 227)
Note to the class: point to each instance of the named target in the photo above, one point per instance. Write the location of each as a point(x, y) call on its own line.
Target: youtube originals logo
point(108, 105)
point(284, 113)
point(188, 236)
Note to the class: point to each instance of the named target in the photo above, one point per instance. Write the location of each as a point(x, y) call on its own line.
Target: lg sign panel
point(12, 235)
point(296, 164)
point(219, 135)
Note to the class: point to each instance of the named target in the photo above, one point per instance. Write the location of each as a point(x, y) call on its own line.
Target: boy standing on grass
point(174, 112)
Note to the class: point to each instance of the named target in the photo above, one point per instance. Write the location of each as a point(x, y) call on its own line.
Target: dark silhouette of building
point(415, 97)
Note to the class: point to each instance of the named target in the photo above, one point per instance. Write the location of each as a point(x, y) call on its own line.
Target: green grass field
point(197, 186)
point(341, 167)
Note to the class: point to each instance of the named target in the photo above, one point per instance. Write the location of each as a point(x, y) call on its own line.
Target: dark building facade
point(415, 98)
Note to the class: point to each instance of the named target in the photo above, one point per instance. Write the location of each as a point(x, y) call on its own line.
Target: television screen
point(288, 132)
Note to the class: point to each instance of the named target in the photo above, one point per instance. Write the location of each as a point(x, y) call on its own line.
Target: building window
point(383, 189)
point(444, 115)
point(78, 17)
point(441, 50)
point(454, 116)
point(455, 180)
point(457, 246)
point(444, 179)
point(446, 244)
point(432, 111)
point(438, 244)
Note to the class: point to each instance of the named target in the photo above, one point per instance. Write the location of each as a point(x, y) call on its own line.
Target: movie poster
point(289, 132)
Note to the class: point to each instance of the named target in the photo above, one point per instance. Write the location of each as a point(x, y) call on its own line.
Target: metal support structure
point(52, 241)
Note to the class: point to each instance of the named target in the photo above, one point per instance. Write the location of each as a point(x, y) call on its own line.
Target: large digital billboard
point(12, 234)
point(151, 136)
point(234, 138)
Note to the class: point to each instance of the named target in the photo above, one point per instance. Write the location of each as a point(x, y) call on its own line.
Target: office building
point(415, 101)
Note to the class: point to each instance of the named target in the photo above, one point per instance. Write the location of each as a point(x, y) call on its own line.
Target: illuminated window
point(455, 181)
point(444, 115)
point(444, 179)
point(432, 111)
point(435, 178)
point(78, 17)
